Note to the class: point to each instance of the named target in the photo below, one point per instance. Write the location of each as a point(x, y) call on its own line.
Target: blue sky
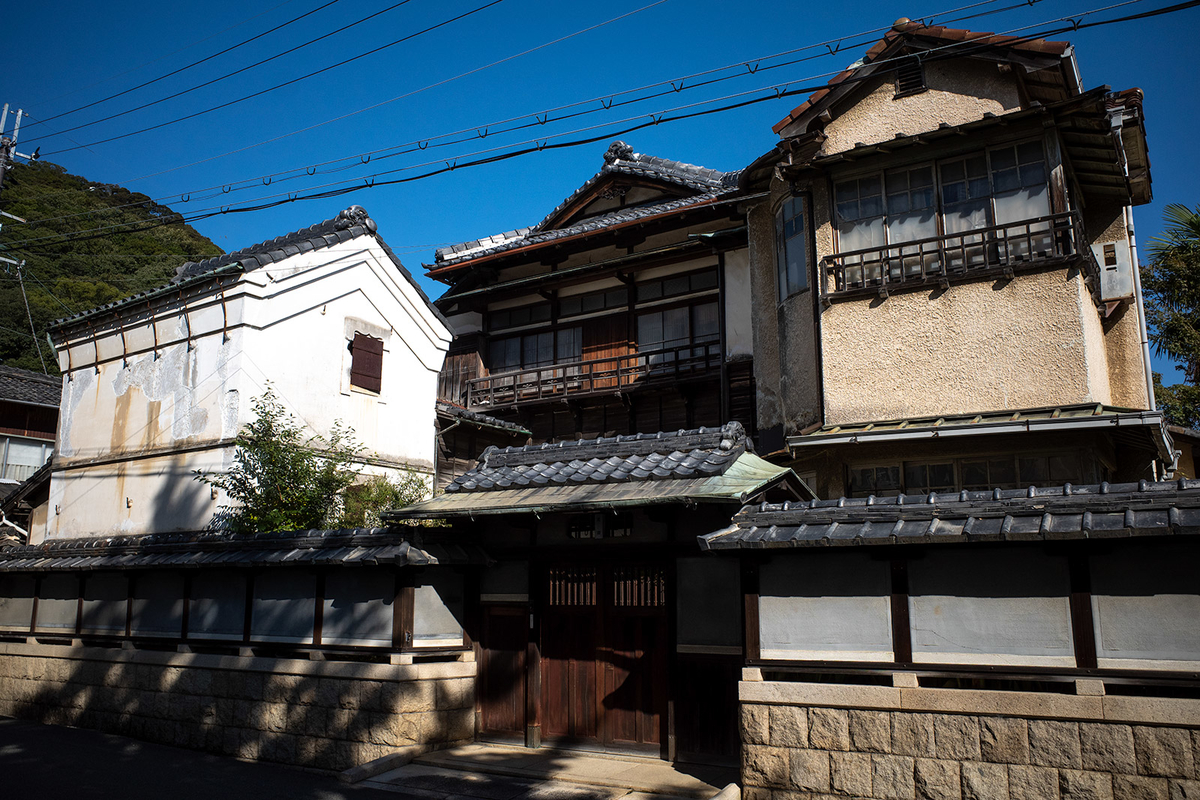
point(59, 56)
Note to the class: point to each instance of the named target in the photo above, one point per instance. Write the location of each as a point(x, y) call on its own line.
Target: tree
point(282, 480)
point(1171, 286)
point(363, 502)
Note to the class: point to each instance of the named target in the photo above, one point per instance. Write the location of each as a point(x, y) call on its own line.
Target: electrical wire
point(278, 86)
point(206, 59)
point(535, 119)
point(957, 51)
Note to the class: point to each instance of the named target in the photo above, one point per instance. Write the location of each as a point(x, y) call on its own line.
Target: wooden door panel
point(502, 671)
point(606, 338)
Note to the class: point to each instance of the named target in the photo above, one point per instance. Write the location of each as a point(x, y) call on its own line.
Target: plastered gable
point(960, 91)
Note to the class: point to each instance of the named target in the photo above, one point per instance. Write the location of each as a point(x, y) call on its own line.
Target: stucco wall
point(959, 91)
point(972, 347)
point(315, 714)
point(157, 394)
point(808, 740)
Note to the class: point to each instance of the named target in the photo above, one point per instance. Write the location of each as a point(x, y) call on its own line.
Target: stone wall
point(802, 741)
point(322, 714)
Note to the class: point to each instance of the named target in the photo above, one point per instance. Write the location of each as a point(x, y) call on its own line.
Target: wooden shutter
point(366, 362)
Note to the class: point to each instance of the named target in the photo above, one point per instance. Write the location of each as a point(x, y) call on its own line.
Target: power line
point(950, 51)
point(183, 68)
point(538, 118)
point(277, 86)
point(78, 89)
point(840, 42)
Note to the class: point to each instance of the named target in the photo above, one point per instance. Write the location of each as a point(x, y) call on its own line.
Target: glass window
point(22, 457)
point(859, 213)
point(791, 244)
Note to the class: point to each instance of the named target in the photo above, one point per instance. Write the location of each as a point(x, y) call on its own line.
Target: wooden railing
point(598, 375)
point(999, 249)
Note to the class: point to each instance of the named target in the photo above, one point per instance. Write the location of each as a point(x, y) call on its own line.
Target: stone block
point(274, 717)
point(871, 731)
point(983, 781)
point(1183, 790)
point(1004, 740)
point(329, 693)
point(956, 737)
point(788, 725)
point(850, 774)
point(756, 793)
point(810, 770)
point(348, 696)
point(1076, 784)
point(458, 693)
point(409, 696)
point(371, 695)
point(1106, 747)
point(1134, 787)
point(829, 729)
point(1054, 744)
point(912, 735)
point(1163, 752)
point(459, 724)
point(1032, 783)
point(937, 780)
point(892, 777)
point(756, 723)
point(764, 766)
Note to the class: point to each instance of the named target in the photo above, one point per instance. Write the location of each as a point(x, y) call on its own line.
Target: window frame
point(936, 165)
point(784, 288)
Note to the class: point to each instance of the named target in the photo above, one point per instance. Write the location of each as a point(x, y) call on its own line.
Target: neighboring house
point(626, 309)
point(28, 419)
point(948, 244)
point(158, 385)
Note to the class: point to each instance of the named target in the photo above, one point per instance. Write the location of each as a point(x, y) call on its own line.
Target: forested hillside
point(65, 277)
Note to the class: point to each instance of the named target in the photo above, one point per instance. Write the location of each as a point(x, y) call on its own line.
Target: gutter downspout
point(1141, 308)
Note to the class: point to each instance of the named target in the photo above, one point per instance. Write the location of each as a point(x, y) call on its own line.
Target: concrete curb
point(381, 765)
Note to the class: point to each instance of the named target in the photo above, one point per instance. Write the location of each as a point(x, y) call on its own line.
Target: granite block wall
point(327, 715)
point(1010, 749)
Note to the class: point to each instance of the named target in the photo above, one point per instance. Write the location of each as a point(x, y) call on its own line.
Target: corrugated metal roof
point(345, 547)
point(1034, 514)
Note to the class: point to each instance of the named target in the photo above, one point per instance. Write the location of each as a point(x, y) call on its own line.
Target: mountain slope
point(63, 278)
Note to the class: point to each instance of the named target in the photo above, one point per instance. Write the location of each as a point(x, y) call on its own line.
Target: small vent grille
point(910, 77)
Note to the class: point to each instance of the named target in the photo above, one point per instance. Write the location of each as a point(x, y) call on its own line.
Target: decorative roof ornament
point(354, 215)
point(618, 151)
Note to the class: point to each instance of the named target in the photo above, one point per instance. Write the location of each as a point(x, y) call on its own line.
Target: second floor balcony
point(994, 251)
point(608, 375)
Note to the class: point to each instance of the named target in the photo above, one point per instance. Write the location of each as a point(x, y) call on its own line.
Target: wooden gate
point(604, 655)
point(503, 641)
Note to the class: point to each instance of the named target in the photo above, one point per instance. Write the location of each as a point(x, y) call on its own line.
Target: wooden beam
point(750, 620)
point(402, 610)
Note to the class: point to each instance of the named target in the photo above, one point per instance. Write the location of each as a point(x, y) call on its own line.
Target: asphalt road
point(47, 762)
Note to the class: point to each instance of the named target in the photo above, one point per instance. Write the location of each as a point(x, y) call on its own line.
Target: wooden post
point(249, 610)
point(319, 609)
point(1083, 629)
point(750, 622)
point(533, 660)
point(402, 610)
point(186, 622)
point(901, 633)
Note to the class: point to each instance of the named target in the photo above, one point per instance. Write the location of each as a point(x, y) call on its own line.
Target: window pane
point(675, 326)
point(1006, 179)
point(916, 478)
point(1030, 152)
point(650, 330)
point(941, 477)
point(540, 313)
point(1033, 174)
point(1064, 469)
point(975, 475)
point(649, 291)
point(569, 306)
point(704, 280)
point(673, 286)
point(887, 479)
point(1004, 158)
point(705, 324)
point(593, 302)
point(1034, 470)
point(1003, 473)
point(570, 344)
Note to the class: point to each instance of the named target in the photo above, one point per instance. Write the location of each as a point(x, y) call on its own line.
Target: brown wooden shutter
point(366, 362)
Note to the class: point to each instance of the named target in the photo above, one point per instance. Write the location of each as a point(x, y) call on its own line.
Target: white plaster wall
point(739, 321)
point(136, 423)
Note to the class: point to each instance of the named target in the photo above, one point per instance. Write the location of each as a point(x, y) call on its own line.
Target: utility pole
point(8, 149)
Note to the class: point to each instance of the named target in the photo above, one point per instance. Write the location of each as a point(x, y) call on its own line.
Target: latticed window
point(366, 362)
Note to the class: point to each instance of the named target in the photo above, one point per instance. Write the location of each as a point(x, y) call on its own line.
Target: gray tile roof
point(455, 411)
point(1033, 514)
point(702, 452)
point(347, 547)
point(23, 386)
point(705, 184)
point(347, 225)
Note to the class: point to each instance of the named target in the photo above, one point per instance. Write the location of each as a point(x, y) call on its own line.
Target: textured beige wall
point(325, 715)
point(973, 347)
point(959, 92)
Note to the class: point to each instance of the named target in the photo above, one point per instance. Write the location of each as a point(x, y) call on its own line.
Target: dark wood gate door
point(604, 655)
point(504, 637)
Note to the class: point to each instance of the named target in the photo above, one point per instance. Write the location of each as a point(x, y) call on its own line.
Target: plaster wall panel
point(959, 91)
point(832, 607)
point(979, 346)
point(1011, 607)
point(739, 315)
point(1145, 603)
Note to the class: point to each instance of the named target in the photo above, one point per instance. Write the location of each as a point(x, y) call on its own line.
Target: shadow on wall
point(182, 503)
point(315, 721)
